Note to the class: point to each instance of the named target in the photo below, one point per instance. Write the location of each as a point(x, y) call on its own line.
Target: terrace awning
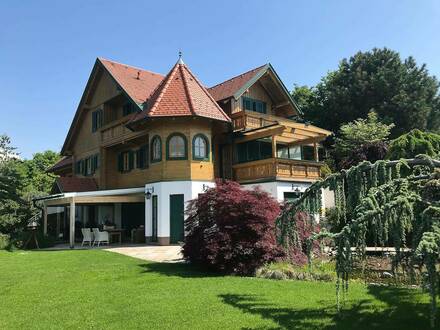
point(131, 195)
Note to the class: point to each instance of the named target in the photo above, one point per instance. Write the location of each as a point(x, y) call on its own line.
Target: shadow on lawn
point(177, 269)
point(401, 313)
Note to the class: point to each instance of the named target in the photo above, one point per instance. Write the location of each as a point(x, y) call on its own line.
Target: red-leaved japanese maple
point(231, 229)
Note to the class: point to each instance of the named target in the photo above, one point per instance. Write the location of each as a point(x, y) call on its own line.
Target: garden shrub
point(324, 271)
point(371, 151)
point(414, 143)
point(304, 227)
point(232, 230)
point(44, 241)
point(4, 241)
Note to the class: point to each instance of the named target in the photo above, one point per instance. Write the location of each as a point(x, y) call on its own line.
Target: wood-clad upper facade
point(134, 127)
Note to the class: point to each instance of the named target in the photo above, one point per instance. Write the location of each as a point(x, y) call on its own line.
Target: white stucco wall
point(191, 189)
point(278, 188)
point(163, 190)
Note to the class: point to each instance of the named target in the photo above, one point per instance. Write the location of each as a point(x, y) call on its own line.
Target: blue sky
point(47, 48)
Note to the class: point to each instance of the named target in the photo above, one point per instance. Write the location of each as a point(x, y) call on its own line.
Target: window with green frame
point(142, 157)
point(96, 120)
point(177, 147)
point(125, 161)
point(79, 167)
point(254, 105)
point(308, 153)
point(156, 149)
point(253, 150)
point(200, 147)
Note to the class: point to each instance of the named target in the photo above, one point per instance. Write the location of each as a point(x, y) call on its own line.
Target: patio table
point(115, 232)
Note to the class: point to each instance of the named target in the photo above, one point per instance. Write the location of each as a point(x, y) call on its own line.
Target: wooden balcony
point(247, 120)
point(277, 169)
point(249, 125)
point(116, 132)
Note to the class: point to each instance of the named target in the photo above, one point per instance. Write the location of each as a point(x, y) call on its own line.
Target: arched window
point(200, 148)
point(156, 149)
point(177, 147)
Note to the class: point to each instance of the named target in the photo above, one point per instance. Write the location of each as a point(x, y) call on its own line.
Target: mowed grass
point(95, 289)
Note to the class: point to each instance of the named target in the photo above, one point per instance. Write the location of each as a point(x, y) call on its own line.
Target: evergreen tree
point(399, 91)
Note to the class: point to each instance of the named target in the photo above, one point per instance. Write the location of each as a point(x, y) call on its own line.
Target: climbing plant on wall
point(386, 200)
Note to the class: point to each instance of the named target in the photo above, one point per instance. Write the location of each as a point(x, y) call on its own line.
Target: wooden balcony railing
point(277, 168)
point(117, 132)
point(251, 120)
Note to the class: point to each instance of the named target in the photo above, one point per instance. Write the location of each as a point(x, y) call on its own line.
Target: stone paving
point(157, 253)
point(169, 253)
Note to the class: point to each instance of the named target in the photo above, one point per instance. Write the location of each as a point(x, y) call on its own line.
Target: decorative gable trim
point(261, 73)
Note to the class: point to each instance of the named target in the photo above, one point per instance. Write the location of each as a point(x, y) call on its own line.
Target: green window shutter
point(247, 103)
point(264, 107)
point(83, 167)
point(259, 106)
point(121, 162)
point(94, 122)
point(130, 160)
point(99, 118)
point(139, 158)
point(146, 158)
point(95, 163)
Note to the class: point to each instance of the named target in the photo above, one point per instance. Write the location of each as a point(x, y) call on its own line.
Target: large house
point(142, 144)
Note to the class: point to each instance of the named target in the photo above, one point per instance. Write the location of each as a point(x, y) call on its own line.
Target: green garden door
point(176, 218)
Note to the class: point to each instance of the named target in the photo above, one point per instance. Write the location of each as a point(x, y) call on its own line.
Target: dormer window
point(254, 105)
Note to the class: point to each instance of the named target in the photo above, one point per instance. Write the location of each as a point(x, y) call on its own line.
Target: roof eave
point(131, 125)
point(98, 64)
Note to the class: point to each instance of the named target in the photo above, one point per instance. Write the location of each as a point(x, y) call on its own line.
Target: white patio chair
point(100, 236)
point(87, 236)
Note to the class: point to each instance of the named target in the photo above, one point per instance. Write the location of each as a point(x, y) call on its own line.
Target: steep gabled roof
point(229, 87)
point(126, 77)
point(63, 162)
point(74, 184)
point(181, 94)
point(137, 83)
point(237, 86)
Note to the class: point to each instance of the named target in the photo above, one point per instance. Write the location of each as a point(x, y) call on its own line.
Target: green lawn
point(95, 289)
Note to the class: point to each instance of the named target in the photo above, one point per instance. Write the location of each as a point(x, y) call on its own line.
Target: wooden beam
point(274, 146)
point(306, 132)
point(260, 133)
point(307, 141)
point(280, 105)
point(305, 127)
point(72, 223)
point(315, 151)
point(57, 201)
point(109, 199)
point(45, 220)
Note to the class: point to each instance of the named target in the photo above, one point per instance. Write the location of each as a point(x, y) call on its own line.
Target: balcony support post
point(315, 151)
point(274, 146)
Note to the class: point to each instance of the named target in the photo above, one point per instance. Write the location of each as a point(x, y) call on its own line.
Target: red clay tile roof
point(228, 88)
point(137, 83)
point(181, 94)
point(63, 162)
point(73, 184)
